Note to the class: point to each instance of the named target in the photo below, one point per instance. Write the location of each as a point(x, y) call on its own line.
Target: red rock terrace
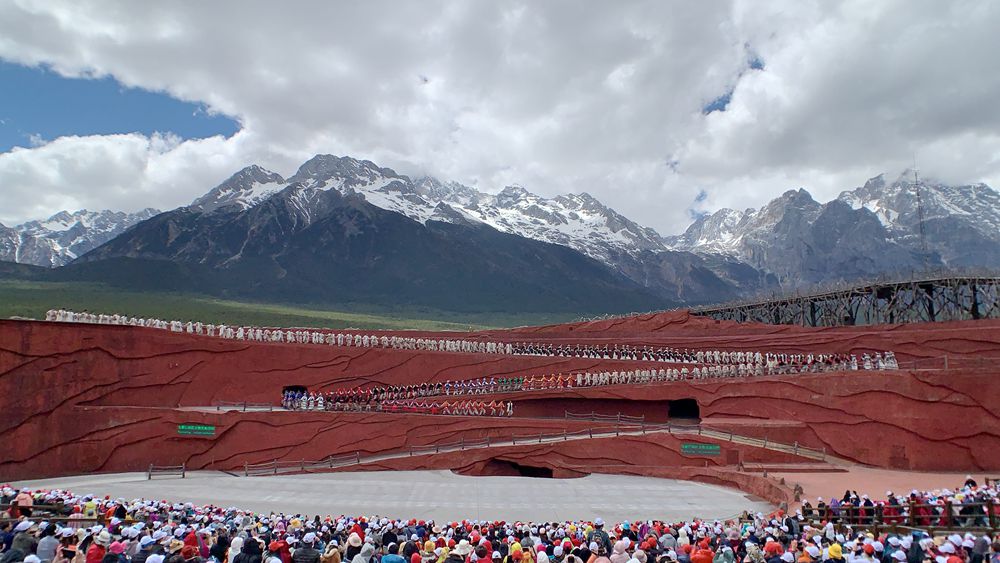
point(90, 397)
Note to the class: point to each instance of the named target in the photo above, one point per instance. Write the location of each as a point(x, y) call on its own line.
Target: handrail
point(219, 405)
point(600, 417)
point(937, 517)
point(99, 519)
point(166, 470)
point(276, 467)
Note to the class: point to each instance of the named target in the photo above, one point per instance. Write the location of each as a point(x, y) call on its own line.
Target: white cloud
point(558, 97)
point(129, 171)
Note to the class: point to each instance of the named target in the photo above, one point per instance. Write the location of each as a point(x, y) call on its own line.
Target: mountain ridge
point(64, 236)
point(870, 230)
point(791, 242)
point(342, 248)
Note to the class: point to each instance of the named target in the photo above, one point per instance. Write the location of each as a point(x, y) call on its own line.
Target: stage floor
point(440, 495)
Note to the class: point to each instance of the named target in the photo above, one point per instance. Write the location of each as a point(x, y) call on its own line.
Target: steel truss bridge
point(928, 299)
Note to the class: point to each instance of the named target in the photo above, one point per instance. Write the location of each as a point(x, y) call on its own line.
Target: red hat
point(516, 556)
point(869, 549)
point(273, 546)
point(189, 552)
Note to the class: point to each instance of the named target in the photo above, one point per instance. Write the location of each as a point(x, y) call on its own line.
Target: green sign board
point(195, 430)
point(700, 449)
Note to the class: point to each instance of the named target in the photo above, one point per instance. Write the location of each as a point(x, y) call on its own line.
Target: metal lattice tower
point(920, 217)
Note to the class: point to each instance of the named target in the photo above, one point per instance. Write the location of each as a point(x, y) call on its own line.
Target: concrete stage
point(440, 495)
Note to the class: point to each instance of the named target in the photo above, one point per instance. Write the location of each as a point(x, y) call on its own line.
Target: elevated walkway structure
point(928, 299)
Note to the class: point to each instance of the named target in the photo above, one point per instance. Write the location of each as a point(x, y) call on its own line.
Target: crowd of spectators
point(158, 531)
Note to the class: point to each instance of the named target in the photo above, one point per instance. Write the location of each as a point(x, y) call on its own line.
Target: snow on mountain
point(575, 220)
point(729, 231)
point(716, 233)
point(895, 204)
point(960, 228)
point(63, 237)
point(243, 190)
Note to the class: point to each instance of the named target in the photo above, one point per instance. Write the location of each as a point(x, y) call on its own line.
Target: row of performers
point(481, 386)
point(493, 385)
point(316, 402)
point(783, 361)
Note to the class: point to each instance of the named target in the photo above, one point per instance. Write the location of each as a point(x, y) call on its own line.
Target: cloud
point(599, 97)
point(131, 171)
point(36, 140)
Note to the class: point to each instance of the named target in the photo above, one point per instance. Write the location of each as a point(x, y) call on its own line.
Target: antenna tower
point(920, 215)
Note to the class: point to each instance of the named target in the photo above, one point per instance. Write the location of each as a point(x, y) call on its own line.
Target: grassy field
point(32, 299)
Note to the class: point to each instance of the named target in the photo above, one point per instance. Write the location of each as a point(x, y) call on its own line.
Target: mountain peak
point(583, 201)
point(324, 167)
point(876, 182)
point(799, 196)
point(246, 188)
point(254, 173)
point(512, 195)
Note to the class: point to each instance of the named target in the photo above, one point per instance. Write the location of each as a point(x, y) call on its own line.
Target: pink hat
point(117, 548)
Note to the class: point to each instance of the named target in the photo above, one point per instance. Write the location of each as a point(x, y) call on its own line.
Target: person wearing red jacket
point(283, 551)
point(702, 555)
point(99, 547)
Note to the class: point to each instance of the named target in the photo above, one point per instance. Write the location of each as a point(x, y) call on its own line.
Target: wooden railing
point(64, 520)
point(244, 406)
point(599, 417)
point(976, 517)
point(166, 471)
point(275, 467)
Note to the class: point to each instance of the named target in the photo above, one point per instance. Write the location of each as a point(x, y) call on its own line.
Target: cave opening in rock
point(684, 409)
point(529, 471)
point(506, 468)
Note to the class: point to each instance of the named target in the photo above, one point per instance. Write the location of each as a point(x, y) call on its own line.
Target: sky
point(664, 110)
point(40, 105)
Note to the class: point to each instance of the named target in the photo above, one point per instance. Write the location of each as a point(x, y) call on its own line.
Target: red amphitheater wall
point(112, 365)
point(908, 420)
point(80, 398)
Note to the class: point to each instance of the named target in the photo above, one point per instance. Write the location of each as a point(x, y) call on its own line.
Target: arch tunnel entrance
point(684, 409)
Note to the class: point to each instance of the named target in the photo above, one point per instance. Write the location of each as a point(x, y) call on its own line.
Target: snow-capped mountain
point(895, 204)
point(961, 224)
point(871, 230)
point(575, 220)
point(246, 188)
point(318, 239)
point(793, 241)
point(63, 237)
